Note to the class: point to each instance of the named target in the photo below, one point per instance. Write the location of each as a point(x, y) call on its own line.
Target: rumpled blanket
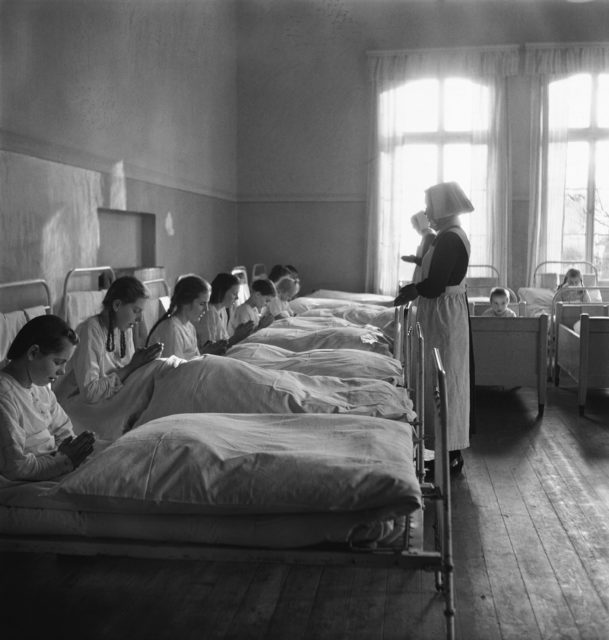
point(216, 384)
point(343, 363)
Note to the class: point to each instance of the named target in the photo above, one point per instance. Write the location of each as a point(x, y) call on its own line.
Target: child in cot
point(572, 288)
point(36, 437)
point(499, 300)
point(263, 292)
point(176, 328)
point(279, 307)
point(213, 326)
point(105, 356)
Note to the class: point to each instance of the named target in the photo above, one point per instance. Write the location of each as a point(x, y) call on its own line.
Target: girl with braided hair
point(105, 356)
point(176, 328)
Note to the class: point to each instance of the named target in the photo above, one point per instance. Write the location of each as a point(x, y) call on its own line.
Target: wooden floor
point(531, 518)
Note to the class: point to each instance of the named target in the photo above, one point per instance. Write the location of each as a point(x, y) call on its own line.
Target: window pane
point(602, 103)
point(417, 106)
point(418, 166)
point(567, 193)
point(465, 105)
point(601, 211)
point(570, 101)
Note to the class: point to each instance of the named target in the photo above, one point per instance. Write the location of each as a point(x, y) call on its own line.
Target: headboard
point(20, 301)
point(81, 294)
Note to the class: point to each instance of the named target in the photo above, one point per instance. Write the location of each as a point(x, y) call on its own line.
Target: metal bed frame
point(540, 269)
point(21, 292)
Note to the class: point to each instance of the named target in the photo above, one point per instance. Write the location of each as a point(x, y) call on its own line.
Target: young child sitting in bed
point(176, 328)
point(572, 288)
point(499, 300)
point(36, 437)
point(279, 307)
point(105, 356)
point(263, 292)
point(213, 326)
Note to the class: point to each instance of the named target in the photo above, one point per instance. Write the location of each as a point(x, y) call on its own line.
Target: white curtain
point(545, 63)
point(389, 70)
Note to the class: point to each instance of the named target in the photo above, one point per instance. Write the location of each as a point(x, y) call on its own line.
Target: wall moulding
point(44, 150)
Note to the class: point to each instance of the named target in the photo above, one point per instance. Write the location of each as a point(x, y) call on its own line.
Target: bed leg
point(540, 410)
point(581, 409)
point(556, 377)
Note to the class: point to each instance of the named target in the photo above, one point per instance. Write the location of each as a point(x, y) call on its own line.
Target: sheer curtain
point(545, 63)
point(489, 66)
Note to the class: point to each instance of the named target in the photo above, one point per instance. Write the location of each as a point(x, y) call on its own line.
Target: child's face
point(231, 296)
point(198, 307)
point(573, 281)
point(261, 301)
point(46, 368)
point(499, 305)
point(128, 313)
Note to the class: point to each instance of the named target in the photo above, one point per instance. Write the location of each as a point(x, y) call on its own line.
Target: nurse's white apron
point(445, 324)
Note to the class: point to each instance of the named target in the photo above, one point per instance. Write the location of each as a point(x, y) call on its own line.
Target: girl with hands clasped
point(105, 356)
point(36, 437)
point(213, 326)
point(107, 381)
point(263, 292)
point(176, 328)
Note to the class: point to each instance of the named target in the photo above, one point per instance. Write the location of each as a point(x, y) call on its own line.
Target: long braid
point(110, 337)
point(172, 309)
point(110, 343)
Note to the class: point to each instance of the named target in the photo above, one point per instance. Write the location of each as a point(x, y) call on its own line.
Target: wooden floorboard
point(531, 550)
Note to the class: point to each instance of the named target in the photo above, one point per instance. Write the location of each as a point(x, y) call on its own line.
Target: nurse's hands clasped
point(78, 449)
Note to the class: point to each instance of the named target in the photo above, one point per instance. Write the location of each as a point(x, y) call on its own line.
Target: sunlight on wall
point(118, 189)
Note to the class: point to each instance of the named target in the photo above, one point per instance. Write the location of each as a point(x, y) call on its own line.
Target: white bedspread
point(234, 464)
point(343, 363)
point(218, 384)
point(350, 337)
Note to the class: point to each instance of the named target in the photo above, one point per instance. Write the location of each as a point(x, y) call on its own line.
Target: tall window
point(578, 170)
point(435, 130)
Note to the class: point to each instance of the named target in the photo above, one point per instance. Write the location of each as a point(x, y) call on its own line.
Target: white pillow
point(240, 463)
point(538, 300)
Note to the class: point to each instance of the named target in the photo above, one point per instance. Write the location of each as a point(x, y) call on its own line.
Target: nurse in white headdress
point(442, 311)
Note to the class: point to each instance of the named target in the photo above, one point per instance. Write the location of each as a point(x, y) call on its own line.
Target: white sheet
point(218, 384)
point(366, 298)
point(80, 305)
point(10, 324)
point(352, 337)
point(343, 363)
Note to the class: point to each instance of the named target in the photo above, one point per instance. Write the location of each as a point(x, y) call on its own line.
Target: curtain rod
point(394, 52)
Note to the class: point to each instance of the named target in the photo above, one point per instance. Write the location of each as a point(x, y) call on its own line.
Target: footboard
point(511, 352)
point(583, 357)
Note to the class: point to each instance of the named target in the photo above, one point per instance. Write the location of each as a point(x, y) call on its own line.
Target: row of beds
point(548, 339)
point(298, 488)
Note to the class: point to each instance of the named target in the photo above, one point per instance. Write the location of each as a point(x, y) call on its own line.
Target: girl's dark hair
point(127, 289)
point(264, 287)
point(278, 272)
point(48, 332)
point(572, 273)
point(499, 292)
point(188, 288)
point(220, 285)
point(293, 270)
